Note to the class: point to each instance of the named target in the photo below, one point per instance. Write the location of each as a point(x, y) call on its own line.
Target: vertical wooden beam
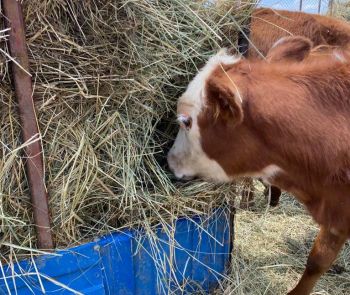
point(29, 124)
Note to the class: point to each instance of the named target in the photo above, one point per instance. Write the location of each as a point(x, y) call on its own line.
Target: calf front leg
point(325, 249)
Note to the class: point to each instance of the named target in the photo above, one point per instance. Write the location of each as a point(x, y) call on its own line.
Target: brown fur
point(297, 50)
point(268, 26)
point(294, 115)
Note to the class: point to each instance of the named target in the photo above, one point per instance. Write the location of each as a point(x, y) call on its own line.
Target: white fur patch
point(182, 117)
point(194, 93)
point(187, 158)
point(270, 172)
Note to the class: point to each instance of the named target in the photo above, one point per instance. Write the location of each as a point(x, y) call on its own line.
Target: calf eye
point(185, 121)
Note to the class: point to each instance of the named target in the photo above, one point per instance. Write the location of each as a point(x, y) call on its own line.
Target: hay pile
point(341, 9)
point(106, 77)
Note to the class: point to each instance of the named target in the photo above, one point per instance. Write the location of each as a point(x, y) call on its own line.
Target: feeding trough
point(193, 259)
point(91, 147)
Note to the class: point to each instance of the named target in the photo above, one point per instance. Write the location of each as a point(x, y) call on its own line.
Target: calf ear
point(294, 49)
point(223, 99)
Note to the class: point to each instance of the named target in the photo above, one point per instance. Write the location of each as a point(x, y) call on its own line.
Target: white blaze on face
point(187, 158)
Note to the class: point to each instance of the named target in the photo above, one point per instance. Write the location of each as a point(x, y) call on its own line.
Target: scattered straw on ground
point(271, 248)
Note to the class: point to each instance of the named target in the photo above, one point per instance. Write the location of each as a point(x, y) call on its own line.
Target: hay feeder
point(106, 75)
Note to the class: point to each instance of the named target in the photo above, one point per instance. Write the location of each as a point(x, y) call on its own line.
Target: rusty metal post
point(29, 124)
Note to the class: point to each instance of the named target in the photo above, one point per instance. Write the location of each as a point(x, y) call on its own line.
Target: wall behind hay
point(106, 78)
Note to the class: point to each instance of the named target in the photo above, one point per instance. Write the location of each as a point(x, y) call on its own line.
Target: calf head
point(186, 158)
point(215, 141)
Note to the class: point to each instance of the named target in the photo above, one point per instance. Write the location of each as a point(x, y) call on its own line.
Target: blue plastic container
point(128, 262)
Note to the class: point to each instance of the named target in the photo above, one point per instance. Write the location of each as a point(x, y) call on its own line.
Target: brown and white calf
point(285, 120)
point(269, 25)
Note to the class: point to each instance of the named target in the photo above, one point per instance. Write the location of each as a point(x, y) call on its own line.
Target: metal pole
point(29, 124)
point(330, 7)
point(319, 6)
point(301, 5)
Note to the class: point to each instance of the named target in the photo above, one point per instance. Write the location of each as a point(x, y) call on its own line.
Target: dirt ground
point(271, 248)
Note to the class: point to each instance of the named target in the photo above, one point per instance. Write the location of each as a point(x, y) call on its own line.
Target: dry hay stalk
point(340, 9)
point(106, 78)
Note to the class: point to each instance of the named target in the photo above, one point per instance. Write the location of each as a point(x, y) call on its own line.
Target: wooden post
point(29, 124)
